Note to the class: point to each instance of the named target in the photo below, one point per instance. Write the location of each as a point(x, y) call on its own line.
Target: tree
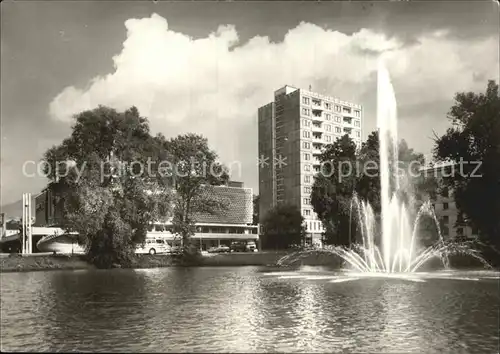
point(194, 168)
point(255, 219)
point(358, 172)
point(473, 144)
point(283, 227)
point(98, 174)
point(333, 189)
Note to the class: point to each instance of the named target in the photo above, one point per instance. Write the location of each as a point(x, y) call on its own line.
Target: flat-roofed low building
point(231, 223)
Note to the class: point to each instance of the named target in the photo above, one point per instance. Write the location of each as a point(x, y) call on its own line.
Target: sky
point(206, 67)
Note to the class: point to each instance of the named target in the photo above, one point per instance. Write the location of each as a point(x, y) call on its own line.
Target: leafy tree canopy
point(283, 227)
point(473, 144)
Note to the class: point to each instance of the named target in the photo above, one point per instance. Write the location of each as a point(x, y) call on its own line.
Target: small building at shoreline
point(232, 223)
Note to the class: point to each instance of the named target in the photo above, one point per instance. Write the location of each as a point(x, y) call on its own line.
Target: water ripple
point(246, 310)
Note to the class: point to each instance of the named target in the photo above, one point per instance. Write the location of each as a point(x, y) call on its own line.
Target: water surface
point(246, 309)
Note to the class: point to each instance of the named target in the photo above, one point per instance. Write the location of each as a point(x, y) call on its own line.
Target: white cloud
point(209, 86)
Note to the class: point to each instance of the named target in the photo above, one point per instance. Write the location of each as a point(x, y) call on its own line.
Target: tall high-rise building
point(293, 129)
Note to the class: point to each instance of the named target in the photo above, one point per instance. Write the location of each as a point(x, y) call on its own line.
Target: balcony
point(316, 151)
point(316, 104)
point(348, 121)
point(317, 128)
point(317, 117)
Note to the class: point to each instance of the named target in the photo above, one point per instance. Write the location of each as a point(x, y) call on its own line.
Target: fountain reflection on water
point(400, 251)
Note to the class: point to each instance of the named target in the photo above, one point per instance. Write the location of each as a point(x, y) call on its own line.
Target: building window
point(307, 179)
point(460, 231)
point(328, 116)
point(445, 206)
point(307, 190)
point(305, 100)
point(358, 134)
point(346, 110)
point(445, 192)
point(356, 123)
point(307, 156)
point(328, 138)
point(357, 113)
point(307, 201)
point(305, 111)
point(446, 219)
point(338, 119)
point(306, 134)
point(338, 108)
point(328, 128)
point(306, 145)
point(445, 231)
point(307, 167)
point(328, 105)
point(338, 130)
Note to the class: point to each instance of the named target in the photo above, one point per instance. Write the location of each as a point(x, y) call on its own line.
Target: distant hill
point(15, 210)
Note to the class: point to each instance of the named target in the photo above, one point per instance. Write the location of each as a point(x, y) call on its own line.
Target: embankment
point(17, 263)
point(39, 262)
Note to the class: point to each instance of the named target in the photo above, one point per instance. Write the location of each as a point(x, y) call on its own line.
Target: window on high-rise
point(328, 128)
point(338, 130)
point(446, 219)
point(328, 116)
point(357, 113)
point(305, 111)
point(358, 134)
point(356, 123)
point(307, 156)
point(460, 231)
point(445, 231)
point(306, 134)
point(307, 179)
point(445, 206)
point(307, 167)
point(307, 212)
point(328, 138)
point(338, 119)
point(307, 201)
point(306, 145)
point(346, 110)
point(445, 192)
point(305, 100)
point(338, 108)
point(307, 190)
point(328, 105)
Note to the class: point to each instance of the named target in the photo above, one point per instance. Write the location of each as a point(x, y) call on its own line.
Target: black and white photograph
point(250, 176)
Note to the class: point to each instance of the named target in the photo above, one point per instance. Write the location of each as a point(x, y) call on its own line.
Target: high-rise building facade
point(293, 129)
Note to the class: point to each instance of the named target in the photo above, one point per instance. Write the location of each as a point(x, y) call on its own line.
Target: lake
point(248, 309)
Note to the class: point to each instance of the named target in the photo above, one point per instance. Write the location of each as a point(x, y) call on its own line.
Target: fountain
point(399, 250)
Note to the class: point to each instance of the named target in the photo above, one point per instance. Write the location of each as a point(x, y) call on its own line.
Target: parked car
point(176, 250)
point(238, 246)
point(251, 246)
point(219, 249)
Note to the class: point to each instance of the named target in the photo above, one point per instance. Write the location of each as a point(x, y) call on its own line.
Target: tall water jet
point(400, 251)
point(387, 130)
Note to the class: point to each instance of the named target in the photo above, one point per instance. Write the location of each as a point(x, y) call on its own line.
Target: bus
point(154, 244)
